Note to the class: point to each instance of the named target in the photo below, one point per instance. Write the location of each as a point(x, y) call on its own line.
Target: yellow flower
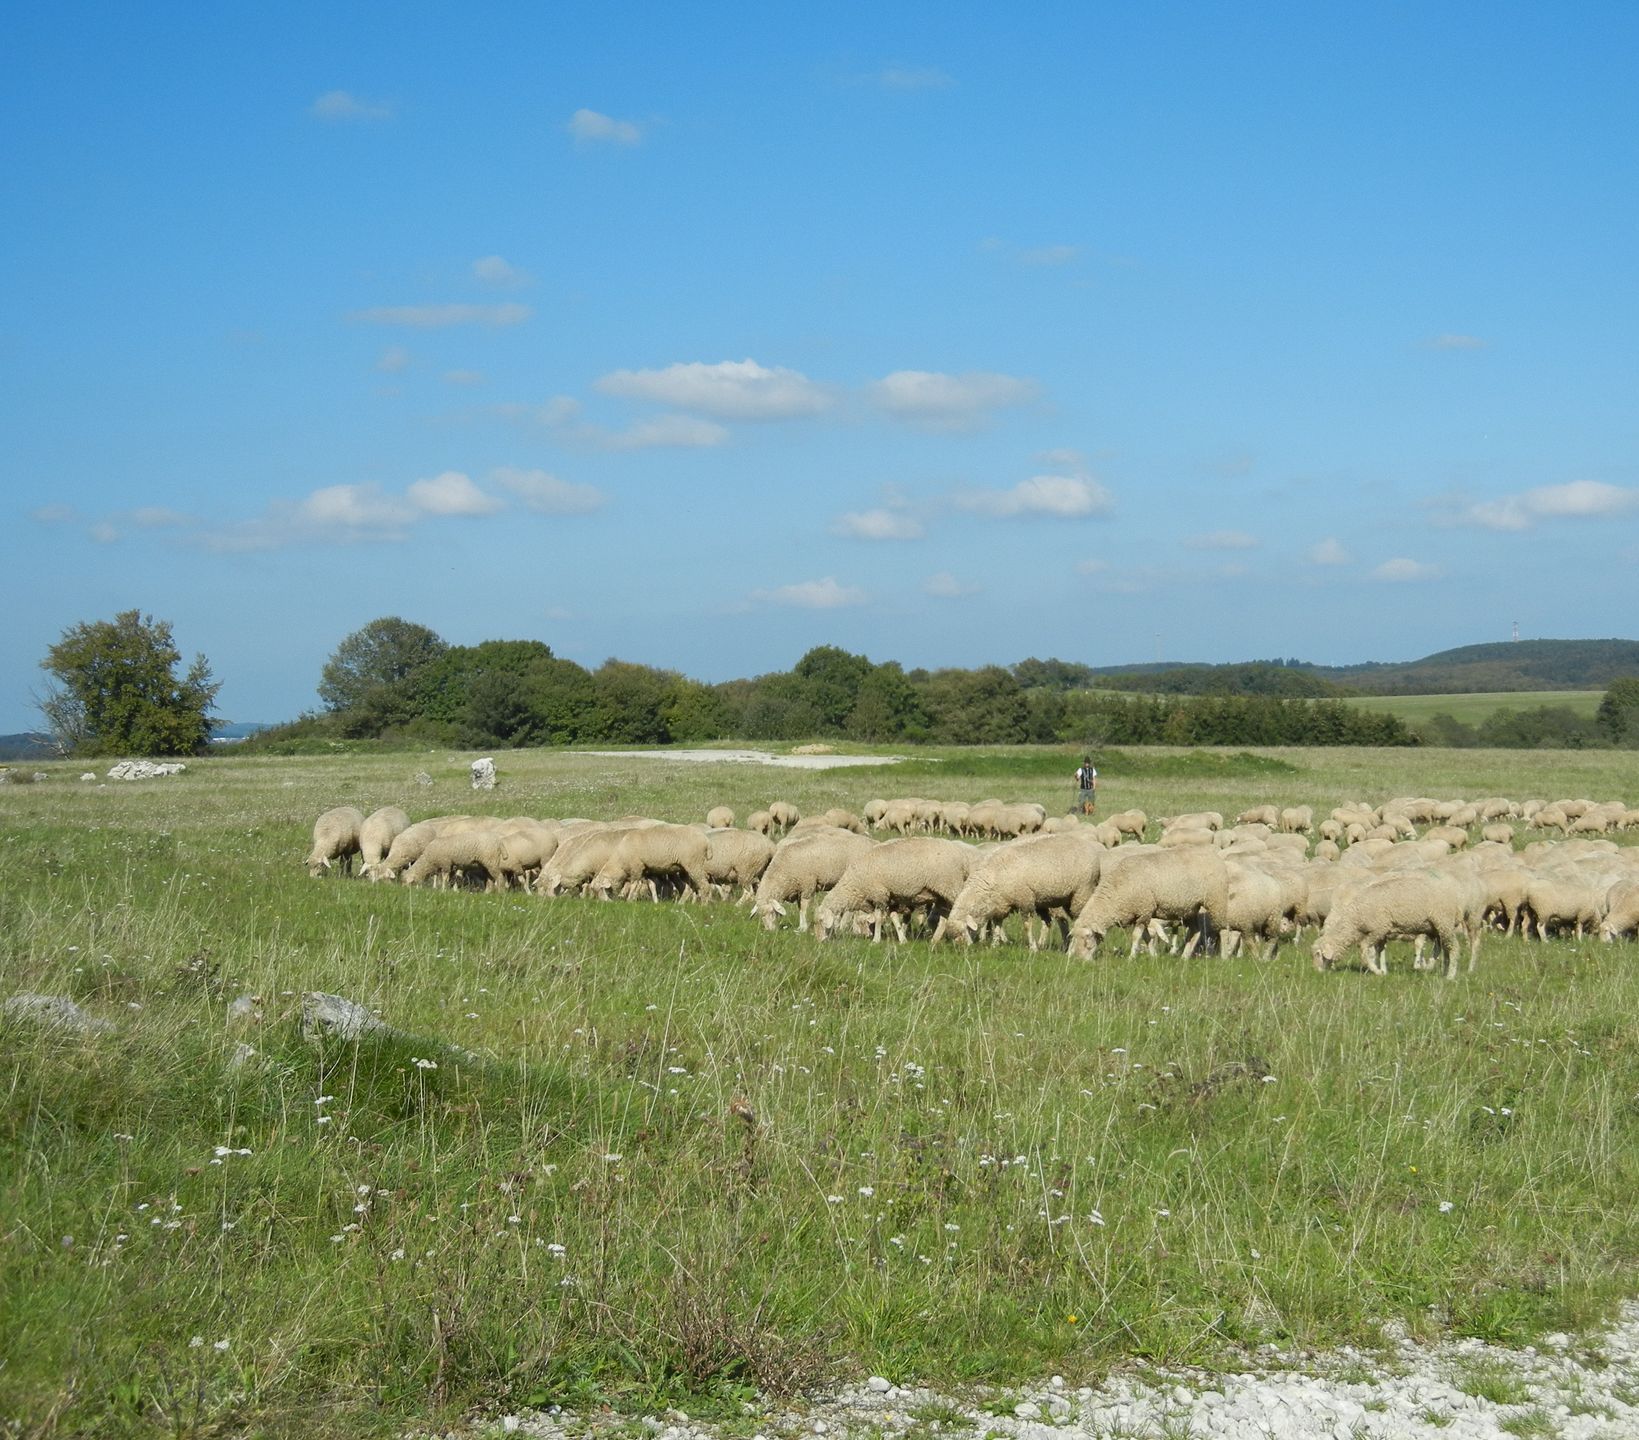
point(1071, 1319)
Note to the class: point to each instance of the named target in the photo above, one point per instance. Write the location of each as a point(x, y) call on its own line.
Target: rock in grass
point(483, 774)
point(336, 1016)
point(55, 1012)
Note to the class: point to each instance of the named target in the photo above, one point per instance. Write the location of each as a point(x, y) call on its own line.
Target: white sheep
point(801, 867)
point(335, 837)
point(890, 880)
point(1499, 833)
point(1041, 876)
point(1621, 911)
point(1259, 815)
point(459, 855)
point(1403, 905)
point(649, 853)
point(719, 817)
point(578, 858)
point(783, 815)
point(377, 834)
point(1185, 886)
point(1259, 905)
point(1297, 820)
point(737, 857)
point(760, 821)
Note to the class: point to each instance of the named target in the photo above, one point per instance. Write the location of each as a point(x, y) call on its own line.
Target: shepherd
point(1086, 786)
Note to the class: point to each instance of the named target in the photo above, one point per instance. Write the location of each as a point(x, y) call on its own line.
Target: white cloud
point(463, 377)
point(104, 533)
point(159, 517)
point(948, 402)
point(1064, 496)
point(899, 76)
point(1094, 566)
point(683, 432)
point(824, 594)
point(942, 585)
point(591, 126)
point(728, 390)
point(1063, 458)
point(452, 493)
point(546, 494)
point(1401, 569)
point(54, 514)
point(1048, 255)
point(343, 105)
point(878, 524)
point(493, 270)
point(342, 508)
point(1456, 342)
point(394, 360)
point(1222, 540)
point(438, 317)
point(1329, 551)
point(560, 410)
point(1577, 499)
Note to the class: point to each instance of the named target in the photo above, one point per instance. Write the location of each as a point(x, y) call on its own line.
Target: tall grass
point(637, 1153)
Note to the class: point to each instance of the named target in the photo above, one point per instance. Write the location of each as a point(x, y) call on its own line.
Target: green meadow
point(637, 1155)
point(1477, 708)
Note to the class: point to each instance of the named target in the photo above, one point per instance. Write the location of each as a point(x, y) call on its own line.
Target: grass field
point(1476, 709)
point(635, 1155)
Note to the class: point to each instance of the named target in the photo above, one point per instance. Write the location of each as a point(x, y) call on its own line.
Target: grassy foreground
point(693, 1160)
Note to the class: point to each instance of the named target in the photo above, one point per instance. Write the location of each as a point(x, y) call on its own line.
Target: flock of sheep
point(1409, 869)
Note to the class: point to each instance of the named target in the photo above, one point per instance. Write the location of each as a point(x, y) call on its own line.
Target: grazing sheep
point(1621, 911)
point(719, 817)
point(1454, 835)
point(460, 855)
point(335, 837)
point(578, 858)
point(1326, 850)
point(873, 812)
point(1400, 906)
point(1258, 905)
point(801, 867)
point(1297, 820)
point(834, 819)
point(1042, 876)
point(650, 852)
point(1562, 899)
point(1198, 819)
point(1498, 834)
point(526, 846)
point(760, 821)
point(1129, 822)
point(783, 815)
point(1259, 815)
point(893, 878)
point(737, 857)
point(377, 834)
point(1185, 886)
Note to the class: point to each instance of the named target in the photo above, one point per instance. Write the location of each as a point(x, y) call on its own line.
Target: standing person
point(1086, 786)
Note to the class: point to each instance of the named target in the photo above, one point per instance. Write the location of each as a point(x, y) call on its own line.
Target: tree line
point(115, 687)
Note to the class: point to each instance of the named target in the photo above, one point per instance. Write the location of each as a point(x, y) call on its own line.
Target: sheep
point(335, 837)
point(1179, 836)
point(833, 819)
point(1260, 905)
point(1187, 886)
point(1326, 850)
point(1037, 875)
point(526, 846)
point(737, 857)
point(873, 812)
point(719, 817)
point(783, 815)
point(1498, 834)
point(1562, 898)
point(578, 858)
point(459, 854)
point(1551, 817)
point(1621, 911)
point(1129, 822)
point(1401, 905)
point(1454, 835)
point(900, 815)
point(896, 876)
point(1330, 830)
point(953, 815)
point(1200, 819)
point(802, 866)
point(760, 821)
point(646, 852)
point(1297, 820)
point(377, 834)
point(1259, 815)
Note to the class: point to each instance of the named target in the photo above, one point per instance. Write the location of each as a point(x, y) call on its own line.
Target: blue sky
point(702, 334)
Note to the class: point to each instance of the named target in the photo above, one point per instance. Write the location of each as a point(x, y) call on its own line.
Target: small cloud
point(1095, 566)
point(560, 410)
point(824, 594)
point(493, 270)
point(54, 515)
point(1401, 570)
point(591, 127)
point(1070, 462)
point(1576, 499)
point(394, 360)
point(662, 432)
point(1222, 540)
point(1049, 255)
point(104, 533)
point(913, 77)
point(1455, 342)
point(1065, 497)
point(1329, 551)
point(439, 317)
point(452, 493)
point(878, 524)
point(558, 612)
point(942, 585)
point(463, 377)
point(546, 494)
point(728, 389)
point(341, 105)
point(949, 402)
point(159, 517)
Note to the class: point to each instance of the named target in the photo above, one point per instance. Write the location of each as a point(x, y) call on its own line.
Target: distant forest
point(398, 682)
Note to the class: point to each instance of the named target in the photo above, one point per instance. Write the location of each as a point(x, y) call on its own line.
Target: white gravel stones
point(1574, 1390)
point(335, 1016)
point(145, 769)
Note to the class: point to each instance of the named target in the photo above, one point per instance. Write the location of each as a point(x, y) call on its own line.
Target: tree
point(385, 652)
point(1619, 712)
point(115, 690)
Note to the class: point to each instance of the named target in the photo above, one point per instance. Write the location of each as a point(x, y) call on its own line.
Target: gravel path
point(1584, 1389)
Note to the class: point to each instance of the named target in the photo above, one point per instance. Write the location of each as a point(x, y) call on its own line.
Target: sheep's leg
point(898, 924)
point(1232, 944)
point(1473, 948)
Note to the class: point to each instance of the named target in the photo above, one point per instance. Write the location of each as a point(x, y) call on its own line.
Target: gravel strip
point(1585, 1389)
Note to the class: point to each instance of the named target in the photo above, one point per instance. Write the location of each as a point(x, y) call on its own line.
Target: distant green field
point(1474, 709)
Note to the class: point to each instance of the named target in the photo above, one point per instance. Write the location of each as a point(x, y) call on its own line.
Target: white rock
point(483, 774)
point(89, 775)
point(1027, 1410)
point(334, 1015)
point(879, 1385)
point(55, 1012)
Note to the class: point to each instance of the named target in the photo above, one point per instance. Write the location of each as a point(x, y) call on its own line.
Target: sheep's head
point(771, 912)
point(1324, 955)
